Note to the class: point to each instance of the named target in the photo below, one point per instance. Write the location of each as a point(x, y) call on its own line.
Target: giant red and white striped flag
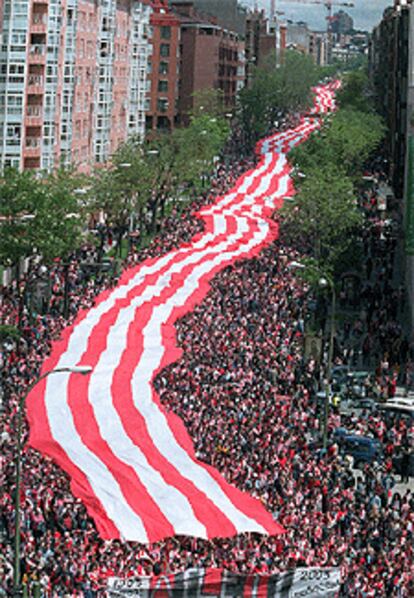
point(131, 462)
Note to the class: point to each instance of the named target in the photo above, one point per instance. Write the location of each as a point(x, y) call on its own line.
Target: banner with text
point(217, 583)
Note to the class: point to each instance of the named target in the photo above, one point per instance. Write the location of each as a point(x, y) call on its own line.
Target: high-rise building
point(342, 22)
point(72, 79)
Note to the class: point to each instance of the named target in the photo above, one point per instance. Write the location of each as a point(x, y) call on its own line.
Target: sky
point(366, 14)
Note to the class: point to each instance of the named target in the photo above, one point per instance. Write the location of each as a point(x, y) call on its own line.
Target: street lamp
point(324, 282)
point(76, 369)
point(328, 283)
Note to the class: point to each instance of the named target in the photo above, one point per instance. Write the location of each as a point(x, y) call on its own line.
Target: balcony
point(39, 22)
point(31, 162)
point(34, 115)
point(32, 147)
point(37, 53)
point(35, 84)
point(33, 142)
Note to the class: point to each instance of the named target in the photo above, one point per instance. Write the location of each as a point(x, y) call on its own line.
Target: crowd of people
point(375, 338)
point(248, 398)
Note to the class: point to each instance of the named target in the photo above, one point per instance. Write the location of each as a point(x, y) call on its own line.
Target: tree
point(142, 177)
point(197, 147)
point(62, 215)
point(323, 217)
point(38, 216)
point(316, 151)
point(355, 93)
point(346, 141)
point(276, 90)
point(353, 136)
point(19, 195)
point(208, 102)
point(296, 78)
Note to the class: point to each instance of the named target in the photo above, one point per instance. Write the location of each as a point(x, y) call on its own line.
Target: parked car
point(407, 401)
point(392, 410)
point(361, 448)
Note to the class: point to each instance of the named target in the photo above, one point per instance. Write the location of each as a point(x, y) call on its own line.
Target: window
point(14, 132)
point(165, 50)
point(14, 100)
point(16, 69)
point(162, 105)
point(162, 85)
point(18, 38)
point(163, 69)
point(104, 49)
point(166, 32)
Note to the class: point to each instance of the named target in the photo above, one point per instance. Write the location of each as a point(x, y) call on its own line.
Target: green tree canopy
point(346, 141)
point(142, 177)
point(38, 215)
point(287, 87)
point(323, 215)
point(355, 93)
point(353, 136)
point(208, 102)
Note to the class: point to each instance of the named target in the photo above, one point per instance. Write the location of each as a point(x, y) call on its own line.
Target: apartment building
point(210, 58)
point(261, 41)
point(163, 68)
point(72, 79)
point(391, 67)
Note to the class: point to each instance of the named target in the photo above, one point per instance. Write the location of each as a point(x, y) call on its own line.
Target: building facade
point(210, 58)
point(72, 80)
point(163, 69)
point(261, 41)
point(229, 13)
point(391, 67)
point(298, 36)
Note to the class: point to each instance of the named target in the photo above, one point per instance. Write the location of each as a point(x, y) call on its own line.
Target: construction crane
point(329, 4)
